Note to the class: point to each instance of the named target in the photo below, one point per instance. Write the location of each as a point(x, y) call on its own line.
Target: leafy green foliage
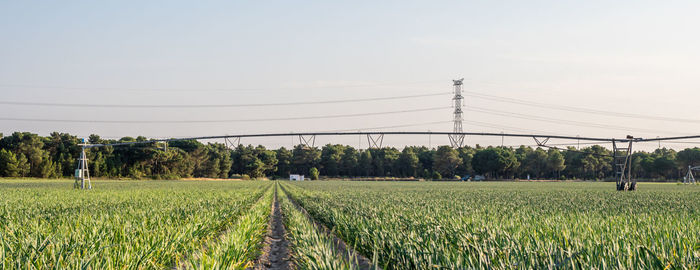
point(56, 154)
point(9, 165)
point(118, 225)
point(510, 225)
point(446, 161)
point(313, 173)
point(239, 245)
point(312, 249)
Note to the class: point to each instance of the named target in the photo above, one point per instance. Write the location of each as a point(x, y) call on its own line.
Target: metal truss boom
point(622, 157)
point(592, 139)
point(310, 142)
point(375, 142)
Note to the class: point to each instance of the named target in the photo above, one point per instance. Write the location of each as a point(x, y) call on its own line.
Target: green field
point(511, 225)
point(399, 225)
point(147, 224)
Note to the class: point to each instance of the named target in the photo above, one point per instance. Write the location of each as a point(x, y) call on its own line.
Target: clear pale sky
point(636, 57)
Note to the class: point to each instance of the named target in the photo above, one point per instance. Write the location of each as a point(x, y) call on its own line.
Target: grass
point(45, 224)
point(511, 225)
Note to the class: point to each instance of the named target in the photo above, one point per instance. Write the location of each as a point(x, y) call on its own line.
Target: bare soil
point(276, 250)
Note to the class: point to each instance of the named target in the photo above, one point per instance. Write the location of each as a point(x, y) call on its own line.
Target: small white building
point(296, 177)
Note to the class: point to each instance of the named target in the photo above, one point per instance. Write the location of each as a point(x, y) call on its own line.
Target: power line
point(388, 127)
point(483, 124)
point(86, 105)
point(217, 121)
point(560, 121)
point(336, 130)
point(365, 85)
point(575, 109)
point(682, 142)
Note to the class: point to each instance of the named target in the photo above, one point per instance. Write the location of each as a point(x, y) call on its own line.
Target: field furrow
point(313, 246)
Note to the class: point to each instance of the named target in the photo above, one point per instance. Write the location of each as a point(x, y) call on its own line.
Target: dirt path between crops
point(348, 252)
point(275, 253)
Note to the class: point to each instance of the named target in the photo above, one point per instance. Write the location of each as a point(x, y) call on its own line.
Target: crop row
point(510, 225)
point(239, 245)
point(311, 248)
point(47, 225)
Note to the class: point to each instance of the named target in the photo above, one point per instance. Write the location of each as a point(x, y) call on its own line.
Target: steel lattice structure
point(621, 156)
point(457, 139)
point(622, 161)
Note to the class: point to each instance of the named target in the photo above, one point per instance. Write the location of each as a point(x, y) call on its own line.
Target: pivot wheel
point(624, 186)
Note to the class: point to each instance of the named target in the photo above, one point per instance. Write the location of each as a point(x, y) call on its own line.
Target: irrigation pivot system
point(621, 154)
point(690, 178)
point(622, 148)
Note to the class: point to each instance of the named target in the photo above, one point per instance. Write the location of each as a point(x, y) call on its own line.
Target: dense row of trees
point(30, 155)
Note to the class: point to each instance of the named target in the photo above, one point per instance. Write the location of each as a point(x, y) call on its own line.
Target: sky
point(529, 67)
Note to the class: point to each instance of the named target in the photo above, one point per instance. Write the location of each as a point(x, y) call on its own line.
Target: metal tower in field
point(690, 178)
point(457, 139)
point(82, 174)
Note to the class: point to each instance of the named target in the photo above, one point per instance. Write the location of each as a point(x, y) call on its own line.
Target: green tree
point(313, 173)
point(536, 163)
point(63, 151)
point(494, 161)
point(365, 163)
point(349, 163)
point(436, 175)
point(9, 166)
point(331, 158)
point(408, 163)
point(555, 162)
point(384, 160)
point(23, 166)
point(688, 157)
point(284, 162)
point(305, 158)
point(665, 164)
point(446, 161)
point(378, 162)
point(596, 162)
point(269, 159)
point(465, 167)
point(246, 160)
point(425, 156)
point(638, 170)
point(31, 146)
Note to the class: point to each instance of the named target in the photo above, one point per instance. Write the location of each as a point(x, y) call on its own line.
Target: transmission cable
point(560, 121)
point(574, 109)
point(218, 121)
point(482, 124)
point(365, 85)
point(388, 127)
point(154, 106)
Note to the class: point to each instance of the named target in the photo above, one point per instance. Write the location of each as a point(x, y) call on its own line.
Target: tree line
point(24, 154)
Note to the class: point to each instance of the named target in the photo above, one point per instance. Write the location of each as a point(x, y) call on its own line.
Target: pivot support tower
point(622, 166)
